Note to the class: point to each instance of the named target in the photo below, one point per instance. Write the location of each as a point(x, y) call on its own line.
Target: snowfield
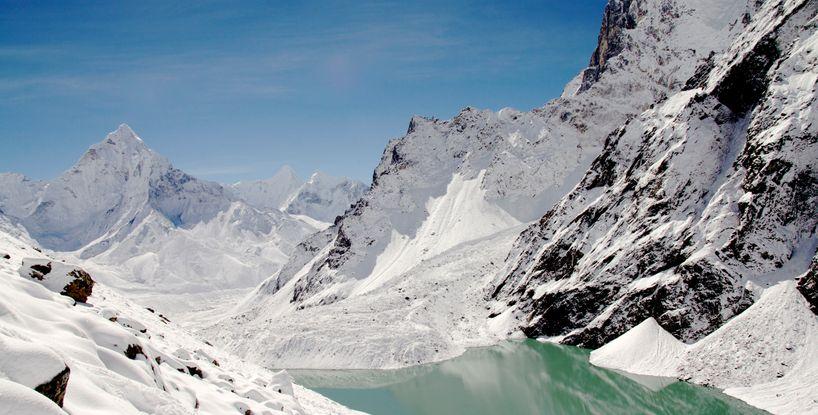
point(430, 313)
point(121, 358)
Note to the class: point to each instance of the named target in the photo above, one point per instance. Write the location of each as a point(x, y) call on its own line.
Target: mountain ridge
point(147, 227)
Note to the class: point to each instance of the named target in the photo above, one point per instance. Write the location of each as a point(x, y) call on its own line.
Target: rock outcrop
point(808, 285)
point(713, 187)
point(55, 388)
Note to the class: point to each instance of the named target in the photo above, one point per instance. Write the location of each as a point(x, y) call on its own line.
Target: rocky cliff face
point(713, 187)
point(618, 18)
point(808, 285)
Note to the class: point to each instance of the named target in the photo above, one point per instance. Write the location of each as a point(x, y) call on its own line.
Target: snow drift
point(765, 356)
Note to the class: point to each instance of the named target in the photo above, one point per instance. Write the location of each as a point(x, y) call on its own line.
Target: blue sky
point(233, 90)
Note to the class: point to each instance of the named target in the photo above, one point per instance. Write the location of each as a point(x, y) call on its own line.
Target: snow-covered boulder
point(59, 277)
point(18, 399)
point(282, 382)
point(33, 365)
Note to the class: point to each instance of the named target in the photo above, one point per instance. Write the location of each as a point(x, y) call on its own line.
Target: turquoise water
point(515, 378)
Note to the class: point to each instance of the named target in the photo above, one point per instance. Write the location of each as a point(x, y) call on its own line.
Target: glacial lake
point(526, 377)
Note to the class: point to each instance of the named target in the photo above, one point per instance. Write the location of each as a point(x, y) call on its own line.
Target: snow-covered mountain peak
point(645, 150)
point(122, 133)
point(116, 184)
point(323, 197)
point(154, 227)
point(271, 193)
point(286, 171)
point(123, 153)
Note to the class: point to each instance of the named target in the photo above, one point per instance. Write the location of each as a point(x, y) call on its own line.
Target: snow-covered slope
point(144, 226)
point(430, 312)
point(646, 349)
point(690, 205)
point(321, 197)
point(449, 184)
point(110, 356)
point(765, 355)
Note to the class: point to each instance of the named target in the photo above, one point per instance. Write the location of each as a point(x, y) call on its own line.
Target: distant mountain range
point(159, 229)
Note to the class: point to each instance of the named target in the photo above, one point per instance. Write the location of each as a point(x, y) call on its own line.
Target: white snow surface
point(765, 356)
point(431, 312)
point(645, 349)
point(42, 332)
point(18, 399)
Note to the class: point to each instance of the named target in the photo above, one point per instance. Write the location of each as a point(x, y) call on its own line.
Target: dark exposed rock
point(80, 287)
point(6, 256)
point(746, 82)
point(80, 284)
point(702, 294)
point(618, 17)
point(556, 313)
point(808, 285)
point(56, 387)
point(39, 271)
point(195, 371)
point(134, 350)
point(558, 262)
point(699, 77)
point(630, 272)
point(602, 172)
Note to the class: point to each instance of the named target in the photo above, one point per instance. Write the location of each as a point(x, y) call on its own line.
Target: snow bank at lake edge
point(767, 356)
